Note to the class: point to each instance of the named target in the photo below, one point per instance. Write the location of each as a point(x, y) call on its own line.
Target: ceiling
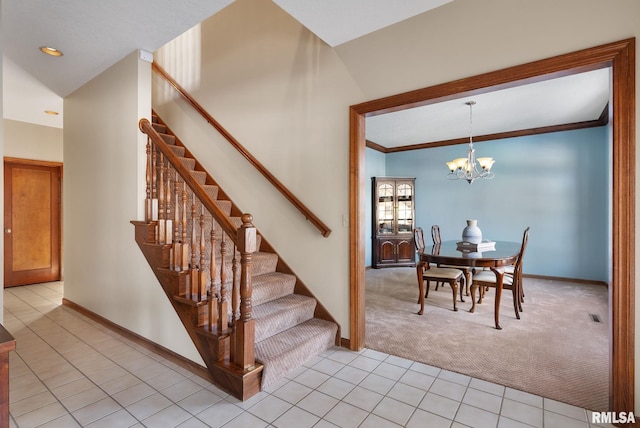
point(95, 35)
point(561, 101)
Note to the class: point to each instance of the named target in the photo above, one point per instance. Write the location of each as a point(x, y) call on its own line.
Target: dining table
point(501, 253)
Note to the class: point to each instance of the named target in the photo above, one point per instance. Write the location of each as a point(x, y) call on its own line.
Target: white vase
point(472, 232)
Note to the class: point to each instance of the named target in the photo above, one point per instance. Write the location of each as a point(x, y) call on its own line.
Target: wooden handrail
point(306, 212)
point(224, 221)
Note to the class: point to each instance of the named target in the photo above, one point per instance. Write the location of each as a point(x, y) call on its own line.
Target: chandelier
point(467, 168)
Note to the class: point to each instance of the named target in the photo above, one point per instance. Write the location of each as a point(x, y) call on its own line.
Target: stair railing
point(192, 225)
point(306, 212)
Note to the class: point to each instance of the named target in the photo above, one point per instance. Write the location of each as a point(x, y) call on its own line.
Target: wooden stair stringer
point(241, 384)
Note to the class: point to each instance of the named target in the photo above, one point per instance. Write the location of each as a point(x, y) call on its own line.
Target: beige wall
point(285, 95)
point(29, 141)
point(105, 271)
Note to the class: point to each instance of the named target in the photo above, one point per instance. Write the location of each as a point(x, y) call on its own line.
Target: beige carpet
point(555, 350)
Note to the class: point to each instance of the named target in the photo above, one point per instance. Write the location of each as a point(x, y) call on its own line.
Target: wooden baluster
point(202, 272)
point(148, 202)
point(223, 305)
point(184, 249)
point(161, 231)
point(213, 295)
point(235, 296)
point(177, 246)
point(154, 189)
point(235, 304)
point(245, 327)
point(168, 218)
point(193, 273)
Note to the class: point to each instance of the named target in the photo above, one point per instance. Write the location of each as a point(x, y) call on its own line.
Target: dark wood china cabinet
point(393, 221)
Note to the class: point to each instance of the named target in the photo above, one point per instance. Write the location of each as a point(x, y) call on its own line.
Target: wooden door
point(31, 222)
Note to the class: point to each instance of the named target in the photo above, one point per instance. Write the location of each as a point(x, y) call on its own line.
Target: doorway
point(32, 226)
point(620, 56)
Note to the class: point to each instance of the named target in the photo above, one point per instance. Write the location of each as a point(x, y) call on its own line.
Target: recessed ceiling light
point(50, 51)
point(51, 112)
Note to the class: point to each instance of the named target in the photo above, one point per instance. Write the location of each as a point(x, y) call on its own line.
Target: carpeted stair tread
point(189, 163)
point(262, 263)
point(270, 286)
point(178, 150)
point(282, 314)
point(211, 190)
point(288, 350)
point(236, 221)
point(225, 206)
point(160, 129)
point(169, 139)
point(200, 176)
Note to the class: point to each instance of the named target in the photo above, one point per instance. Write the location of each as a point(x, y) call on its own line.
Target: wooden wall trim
point(561, 279)
point(601, 121)
point(32, 162)
point(356, 230)
point(620, 56)
point(621, 294)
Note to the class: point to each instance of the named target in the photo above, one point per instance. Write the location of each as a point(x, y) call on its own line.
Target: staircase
point(251, 319)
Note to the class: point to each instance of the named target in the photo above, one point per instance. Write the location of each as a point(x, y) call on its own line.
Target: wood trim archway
point(620, 56)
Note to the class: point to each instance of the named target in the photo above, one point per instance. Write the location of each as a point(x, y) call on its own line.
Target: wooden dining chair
point(427, 273)
point(487, 278)
point(511, 270)
point(466, 270)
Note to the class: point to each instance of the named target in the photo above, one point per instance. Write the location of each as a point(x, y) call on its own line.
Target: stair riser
point(313, 337)
point(272, 286)
point(285, 318)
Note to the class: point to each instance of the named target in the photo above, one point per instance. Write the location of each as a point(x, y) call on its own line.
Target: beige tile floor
point(69, 371)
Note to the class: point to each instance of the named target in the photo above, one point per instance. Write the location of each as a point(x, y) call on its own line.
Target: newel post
point(245, 327)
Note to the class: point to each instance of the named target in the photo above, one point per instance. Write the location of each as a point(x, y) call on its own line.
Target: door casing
point(620, 56)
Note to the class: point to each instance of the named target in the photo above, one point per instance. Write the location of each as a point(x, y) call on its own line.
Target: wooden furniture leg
point(473, 298)
point(467, 276)
point(454, 290)
point(421, 288)
point(499, 279)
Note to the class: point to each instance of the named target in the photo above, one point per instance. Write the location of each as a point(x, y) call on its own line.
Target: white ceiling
point(339, 21)
point(95, 34)
point(92, 34)
point(565, 100)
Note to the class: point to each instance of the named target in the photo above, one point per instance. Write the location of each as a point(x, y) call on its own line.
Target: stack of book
point(484, 245)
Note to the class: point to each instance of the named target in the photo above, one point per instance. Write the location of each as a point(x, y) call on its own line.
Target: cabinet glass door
point(405, 207)
point(385, 209)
